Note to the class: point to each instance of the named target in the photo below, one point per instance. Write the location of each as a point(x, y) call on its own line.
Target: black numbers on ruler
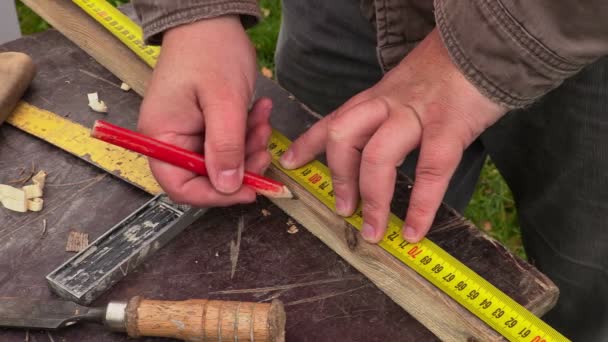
point(392, 236)
point(511, 323)
point(324, 185)
point(473, 295)
point(272, 146)
point(525, 332)
point(426, 260)
point(437, 268)
point(498, 313)
point(449, 277)
point(403, 244)
point(306, 171)
point(485, 304)
point(461, 286)
point(279, 152)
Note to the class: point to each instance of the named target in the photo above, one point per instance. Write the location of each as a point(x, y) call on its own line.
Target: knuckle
point(371, 205)
point(420, 211)
point(226, 147)
point(335, 131)
point(373, 157)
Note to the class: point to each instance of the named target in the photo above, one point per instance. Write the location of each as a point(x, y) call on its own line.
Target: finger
point(307, 146)
point(313, 141)
point(258, 162)
point(225, 123)
point(397, 137)
point(348, 132)
point(260, 112)
point(257, 138)
point(183, 186)
point(440, 153)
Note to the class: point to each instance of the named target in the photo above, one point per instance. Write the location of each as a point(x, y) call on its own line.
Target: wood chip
point(35, 204)
point(96, 104)
point(77, 241)
point(266, 212)
point(290, 222)
point(125, 86)
point(26, 198)
point(293, 229)
point(13, 199)
point(266, 72)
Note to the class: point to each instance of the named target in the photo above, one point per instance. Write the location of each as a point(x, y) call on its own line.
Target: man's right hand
point(198, 99)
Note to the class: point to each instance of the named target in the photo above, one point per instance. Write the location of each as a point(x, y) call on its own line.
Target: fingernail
point(341, 207)
point(229, 180)
point(368, 232)
point(287, 159)
point(410, 234)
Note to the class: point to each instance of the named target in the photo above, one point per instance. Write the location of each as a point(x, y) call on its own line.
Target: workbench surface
point(326, 299)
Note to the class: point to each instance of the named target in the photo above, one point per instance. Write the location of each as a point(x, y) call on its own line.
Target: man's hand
point(423, 102)
point(198, 99)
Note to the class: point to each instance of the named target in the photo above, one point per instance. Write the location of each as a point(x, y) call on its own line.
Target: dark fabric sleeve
point(515, 51)
point(157, 16)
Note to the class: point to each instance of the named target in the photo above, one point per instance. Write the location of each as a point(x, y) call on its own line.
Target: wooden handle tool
point(16, 72)
point(188, 320)
point(199, 319)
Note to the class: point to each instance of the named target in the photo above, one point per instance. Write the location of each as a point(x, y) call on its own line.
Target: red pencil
point(178, 156)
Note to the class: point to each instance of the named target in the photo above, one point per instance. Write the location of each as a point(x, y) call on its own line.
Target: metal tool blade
point(41, 314)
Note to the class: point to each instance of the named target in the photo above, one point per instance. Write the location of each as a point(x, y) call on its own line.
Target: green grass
point(491, 209)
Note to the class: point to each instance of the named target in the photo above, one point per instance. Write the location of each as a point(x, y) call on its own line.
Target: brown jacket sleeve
point(515, 51)
point(157, 16)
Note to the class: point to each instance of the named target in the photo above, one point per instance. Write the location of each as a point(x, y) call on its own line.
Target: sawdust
point(266, 212)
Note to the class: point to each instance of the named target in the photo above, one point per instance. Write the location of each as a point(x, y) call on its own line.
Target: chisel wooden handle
point(199, 319)
point(16, 73)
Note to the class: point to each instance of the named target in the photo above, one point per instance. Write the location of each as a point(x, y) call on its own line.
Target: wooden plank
point(432, 308)
point(95, 40)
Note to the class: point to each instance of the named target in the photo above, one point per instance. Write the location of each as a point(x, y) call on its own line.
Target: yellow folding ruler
point(473, 292)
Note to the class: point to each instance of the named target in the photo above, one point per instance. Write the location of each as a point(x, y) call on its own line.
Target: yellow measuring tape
point(473, 292)
point(77, 140)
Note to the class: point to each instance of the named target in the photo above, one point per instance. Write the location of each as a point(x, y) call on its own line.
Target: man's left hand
point(424, 102)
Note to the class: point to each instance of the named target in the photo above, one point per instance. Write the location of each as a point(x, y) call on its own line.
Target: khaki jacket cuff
point(506, 63)
point(159, 16)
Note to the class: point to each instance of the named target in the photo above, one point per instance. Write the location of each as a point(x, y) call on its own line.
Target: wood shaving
point(293, 229)
point(125, 86)
point(266, 212)
point(77, 241)
point(96, 104)
point(26, 198)
point(290, 222)
point(265, 12)
point(43, 228)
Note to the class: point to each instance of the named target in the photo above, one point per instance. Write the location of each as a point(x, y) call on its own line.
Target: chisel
point(188, 320)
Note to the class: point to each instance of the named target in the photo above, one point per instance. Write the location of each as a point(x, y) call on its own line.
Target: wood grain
point(439, 313)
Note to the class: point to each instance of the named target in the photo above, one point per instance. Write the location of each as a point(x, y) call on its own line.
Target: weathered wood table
point(326, 299)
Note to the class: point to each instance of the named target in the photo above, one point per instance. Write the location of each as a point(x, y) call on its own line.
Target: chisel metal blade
point(45, 314)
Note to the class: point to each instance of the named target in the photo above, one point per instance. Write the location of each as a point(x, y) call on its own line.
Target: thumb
point(225, 130)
